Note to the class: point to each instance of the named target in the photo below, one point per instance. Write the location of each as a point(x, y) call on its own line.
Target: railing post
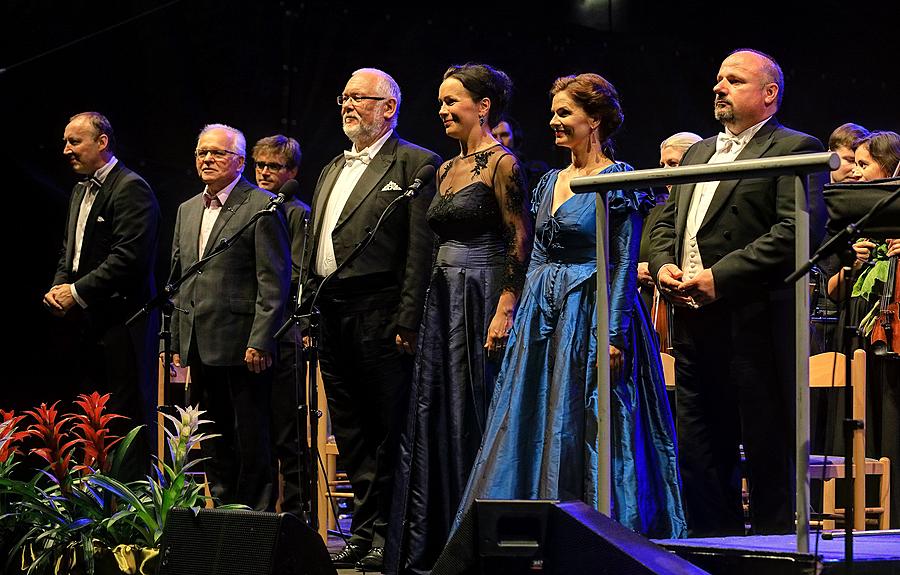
point(604, 390)
point(801, 366)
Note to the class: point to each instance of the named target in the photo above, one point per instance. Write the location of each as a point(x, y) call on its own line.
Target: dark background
point(161, 70)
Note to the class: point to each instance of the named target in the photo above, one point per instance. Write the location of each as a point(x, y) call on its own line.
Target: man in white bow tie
point(370, 311)
point(720, 252)
point(104, 274)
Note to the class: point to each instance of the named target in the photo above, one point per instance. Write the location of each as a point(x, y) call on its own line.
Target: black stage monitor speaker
point(236, 542)
point(528, 537)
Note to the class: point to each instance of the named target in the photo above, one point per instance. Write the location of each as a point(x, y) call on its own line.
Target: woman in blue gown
point(481, 219)
point(542, 427)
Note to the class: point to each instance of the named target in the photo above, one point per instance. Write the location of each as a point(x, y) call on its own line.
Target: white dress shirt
point(728, 147)
point(343, 186)
point(211, 214)
point(90, 194)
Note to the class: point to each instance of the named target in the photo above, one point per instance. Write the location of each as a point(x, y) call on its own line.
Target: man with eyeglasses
point(370, 312)
point(229, 312)
point(276, 160)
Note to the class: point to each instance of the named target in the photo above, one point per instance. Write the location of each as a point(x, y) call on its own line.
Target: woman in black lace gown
point(480, 218)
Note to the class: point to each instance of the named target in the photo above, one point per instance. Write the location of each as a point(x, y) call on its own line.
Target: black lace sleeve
point(510, 191)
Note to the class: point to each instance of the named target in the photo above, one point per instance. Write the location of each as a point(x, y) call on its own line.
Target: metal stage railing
point(800, 166)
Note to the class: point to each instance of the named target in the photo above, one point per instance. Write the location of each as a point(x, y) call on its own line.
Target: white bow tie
point(351, 157)
point(724, 143)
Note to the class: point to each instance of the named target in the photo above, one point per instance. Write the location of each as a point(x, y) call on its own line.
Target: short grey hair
point(386, 85)
point(681, 140)
point(239, 139)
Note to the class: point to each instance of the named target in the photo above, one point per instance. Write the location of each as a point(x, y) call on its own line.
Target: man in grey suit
point(371, 310)
point(720, 252)
point(104, 274)
point(232, 308)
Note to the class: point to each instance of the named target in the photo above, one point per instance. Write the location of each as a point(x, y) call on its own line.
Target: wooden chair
point(329, 479)
point(828, 370)
point(668, 365)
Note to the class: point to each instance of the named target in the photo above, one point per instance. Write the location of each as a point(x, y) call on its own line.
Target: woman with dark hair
point(542, 429)
point(481, 220)
point(877, 158)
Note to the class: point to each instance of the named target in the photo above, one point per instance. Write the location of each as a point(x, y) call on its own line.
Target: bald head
point(748, 89)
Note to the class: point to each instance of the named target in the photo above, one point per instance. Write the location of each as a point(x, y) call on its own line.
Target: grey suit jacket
point(404, 243)
point(237, 300)
point(747, 235)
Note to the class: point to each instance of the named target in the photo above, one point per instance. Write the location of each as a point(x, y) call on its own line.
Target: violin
point(885, 337)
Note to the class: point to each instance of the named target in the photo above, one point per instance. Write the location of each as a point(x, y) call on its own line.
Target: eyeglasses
point(273, 166)
point(216, 154)
point(342, 99)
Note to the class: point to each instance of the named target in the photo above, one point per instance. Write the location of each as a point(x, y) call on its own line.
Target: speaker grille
point(220, 542)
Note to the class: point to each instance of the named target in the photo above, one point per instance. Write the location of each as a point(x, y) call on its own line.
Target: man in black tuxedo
point(234, 306)
point(371, 310)
point(276, 160)
point(720, 251)
point(104, 274)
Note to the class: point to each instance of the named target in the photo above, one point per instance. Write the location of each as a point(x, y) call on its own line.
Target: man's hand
point(406, 340)
point(257, 361)
point(59, 299)
point(864, 249)
point(643, 275)
point(893, 248)
point(669, 281)
point(701, 289)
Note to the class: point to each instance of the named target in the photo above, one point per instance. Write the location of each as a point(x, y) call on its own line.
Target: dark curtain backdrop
point(267, 67)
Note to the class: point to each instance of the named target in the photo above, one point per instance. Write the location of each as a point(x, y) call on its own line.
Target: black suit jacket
point(747, 235)
point(403, 245)
point(238, 300)
point(118, 249)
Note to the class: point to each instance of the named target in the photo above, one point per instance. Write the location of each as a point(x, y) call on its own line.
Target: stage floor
point(775, 554)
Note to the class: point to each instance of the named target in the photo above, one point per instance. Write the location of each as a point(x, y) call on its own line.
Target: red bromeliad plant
point(93, 432)
point(9, 439)
point(56, 447)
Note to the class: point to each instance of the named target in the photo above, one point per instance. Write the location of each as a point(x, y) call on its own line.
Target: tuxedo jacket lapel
point(98, 206)
point(705, 151)
point(378, 167)
point(324, 193)
point(755, 148)
point(74, 206)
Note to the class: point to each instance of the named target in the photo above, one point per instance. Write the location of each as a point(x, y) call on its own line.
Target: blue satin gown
point(542, 424)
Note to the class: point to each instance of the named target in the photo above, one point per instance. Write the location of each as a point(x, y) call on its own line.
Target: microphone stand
point(312, 351)
point(163, 300)
point(840, 242)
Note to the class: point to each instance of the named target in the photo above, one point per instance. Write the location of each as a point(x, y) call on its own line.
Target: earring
point(480, 120)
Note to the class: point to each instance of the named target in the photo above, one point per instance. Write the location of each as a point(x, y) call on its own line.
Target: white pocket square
point(100, 219)
point(391, 186)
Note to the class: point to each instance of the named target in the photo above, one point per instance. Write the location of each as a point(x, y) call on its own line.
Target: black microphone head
point(425, 173)
point(289, 189)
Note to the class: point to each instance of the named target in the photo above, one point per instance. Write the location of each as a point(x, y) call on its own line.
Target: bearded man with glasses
point(370, 312)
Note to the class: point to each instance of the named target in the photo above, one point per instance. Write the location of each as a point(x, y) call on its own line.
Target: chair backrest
point(668, 365)
point(829, 370)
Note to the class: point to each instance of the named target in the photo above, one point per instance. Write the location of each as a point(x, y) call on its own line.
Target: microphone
point(288, 190)
point(422, 177)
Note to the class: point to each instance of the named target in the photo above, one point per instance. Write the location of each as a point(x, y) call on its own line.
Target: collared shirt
point(343, 187)
point(211, 214)
point(691, 259)
point(87, 201)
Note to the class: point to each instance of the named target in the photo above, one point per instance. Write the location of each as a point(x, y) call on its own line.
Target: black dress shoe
point(348, 557)
point(373, 561)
